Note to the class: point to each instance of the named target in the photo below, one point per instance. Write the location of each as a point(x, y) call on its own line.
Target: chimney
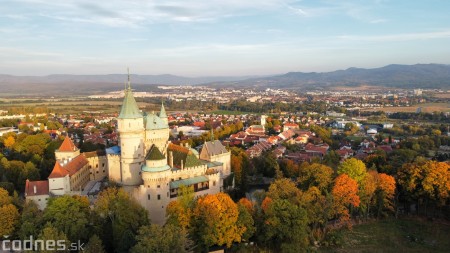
point(35, 189)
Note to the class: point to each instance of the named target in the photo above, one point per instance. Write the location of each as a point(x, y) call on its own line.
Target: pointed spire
point(212, 133)
point(162, 113)
point(129, 81)
point(130, 109)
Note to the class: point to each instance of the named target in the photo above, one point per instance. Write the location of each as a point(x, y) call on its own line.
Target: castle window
point(96, 166)
point(103, 164)
point(214, 183)
point(103, 171)
point(159, 186)
point(148, 197)
point(167, 194)
point(159, 196)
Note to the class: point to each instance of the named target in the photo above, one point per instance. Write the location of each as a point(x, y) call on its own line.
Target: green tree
point(69, 214)
point(31, 221)
point(245, 220)
point(118, 213)
point(286, 224)
point(94, 245)
point(51, 233)
point(154, 238)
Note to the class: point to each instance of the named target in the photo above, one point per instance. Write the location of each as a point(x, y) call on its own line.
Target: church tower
point(131, 136)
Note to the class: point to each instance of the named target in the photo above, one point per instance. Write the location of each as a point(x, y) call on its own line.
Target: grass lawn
point(391, 235)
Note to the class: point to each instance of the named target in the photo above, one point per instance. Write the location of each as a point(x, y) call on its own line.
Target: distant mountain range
point(401, 76)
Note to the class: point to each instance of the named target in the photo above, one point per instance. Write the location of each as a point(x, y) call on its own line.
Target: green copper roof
point(185, 156)
point(154, 122)
point(188, 181)
point(155, 169)
point(130, 109)
point(162, 113)
point(154, 154)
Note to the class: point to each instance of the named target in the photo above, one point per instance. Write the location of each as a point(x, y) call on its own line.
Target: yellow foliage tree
point(9, 142)
point(9, 216)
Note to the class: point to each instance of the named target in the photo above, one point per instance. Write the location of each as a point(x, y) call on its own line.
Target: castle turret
point(131, 133)
point(163, 114)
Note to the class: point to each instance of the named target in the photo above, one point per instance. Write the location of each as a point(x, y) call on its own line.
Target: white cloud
point(397, 37)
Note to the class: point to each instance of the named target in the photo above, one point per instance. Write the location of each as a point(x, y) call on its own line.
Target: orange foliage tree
point(386, 191)
point(345, 195)
point(214, 221)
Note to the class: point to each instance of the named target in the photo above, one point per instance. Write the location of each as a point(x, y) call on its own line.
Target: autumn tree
point(354, 168)
point(385, 193)
point(9, 142)
point(214, 221)
point(345, 196)
point(425, 180)
point(9, 215)
point(319, 208)
point(317, 175)
point(179, 211)
point(284, 189)
point(245, 219)
point(366, 191)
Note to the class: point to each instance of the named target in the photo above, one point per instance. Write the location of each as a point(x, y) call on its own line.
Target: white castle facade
point(146, 164)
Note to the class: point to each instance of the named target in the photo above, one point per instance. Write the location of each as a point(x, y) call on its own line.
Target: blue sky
point(219, 37)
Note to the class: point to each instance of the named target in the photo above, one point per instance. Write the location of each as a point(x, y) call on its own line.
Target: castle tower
point(155, 192)
point(263, 121)
point(131, 136)
point(67, 151)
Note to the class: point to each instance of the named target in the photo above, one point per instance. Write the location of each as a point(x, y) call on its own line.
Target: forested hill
point(401, 76)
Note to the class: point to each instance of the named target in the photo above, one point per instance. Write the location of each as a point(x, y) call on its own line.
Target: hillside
point(400, 76)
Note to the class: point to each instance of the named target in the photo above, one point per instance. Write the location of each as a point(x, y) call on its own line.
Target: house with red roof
point(70, 174)
point(37, 191)
point(292, 126)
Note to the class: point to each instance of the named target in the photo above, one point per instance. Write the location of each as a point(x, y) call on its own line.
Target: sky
point(219, 37)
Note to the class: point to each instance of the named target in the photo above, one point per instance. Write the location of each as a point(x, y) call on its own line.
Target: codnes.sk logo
point(34, 245)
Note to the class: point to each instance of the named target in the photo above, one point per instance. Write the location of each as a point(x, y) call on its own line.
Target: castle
point(145, 163)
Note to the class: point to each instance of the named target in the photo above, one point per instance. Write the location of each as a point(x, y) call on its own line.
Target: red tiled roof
point(67, 145)
point(70, 168)
point(41, 188)
point(58, 171)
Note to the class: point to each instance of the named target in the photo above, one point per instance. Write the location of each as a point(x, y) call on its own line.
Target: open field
point(391, 235)
point(442, 95)
point(73, 106)
point(428, 107)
